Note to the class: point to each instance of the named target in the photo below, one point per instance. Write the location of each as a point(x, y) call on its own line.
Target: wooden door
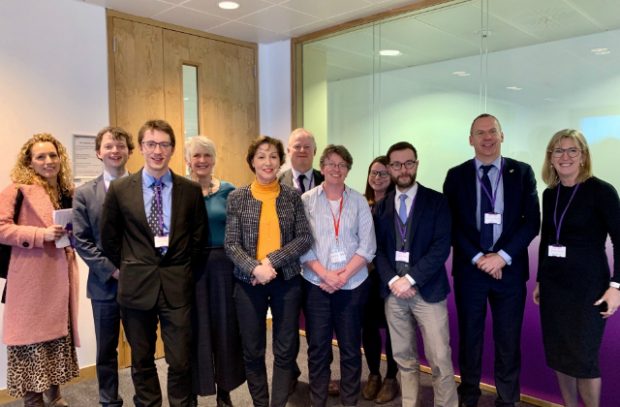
point(145, 74)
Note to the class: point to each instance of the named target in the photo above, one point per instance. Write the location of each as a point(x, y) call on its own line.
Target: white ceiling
point(260, 21)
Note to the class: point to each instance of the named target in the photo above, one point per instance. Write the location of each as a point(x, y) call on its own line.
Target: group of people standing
point(207, 261)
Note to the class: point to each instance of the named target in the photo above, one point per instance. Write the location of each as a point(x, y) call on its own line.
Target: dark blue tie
point(486, 230)
point(300, 181)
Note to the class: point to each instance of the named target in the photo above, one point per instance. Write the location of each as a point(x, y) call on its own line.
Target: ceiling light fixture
point(228, 5)
point(461, 74)
point(390, 53)
point(513, 88)
point(600, 51)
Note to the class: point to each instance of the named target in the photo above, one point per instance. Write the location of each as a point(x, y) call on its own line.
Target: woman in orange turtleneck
point(266, 233)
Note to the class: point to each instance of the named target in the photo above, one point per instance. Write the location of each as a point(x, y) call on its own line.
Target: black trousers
point(107, 318)
point(325, 313)
point(141, 330)
point(506, 298)
point(284, 299)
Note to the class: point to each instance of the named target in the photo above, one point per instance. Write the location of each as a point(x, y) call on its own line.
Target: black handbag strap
point(18, 207)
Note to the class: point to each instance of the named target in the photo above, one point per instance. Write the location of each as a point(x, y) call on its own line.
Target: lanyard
point(558, 225)
point(483, 187)
point(337, 221)
point(402, 228)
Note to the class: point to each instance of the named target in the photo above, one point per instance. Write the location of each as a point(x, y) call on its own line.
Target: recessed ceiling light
point(513, 88)
point(461, 73)
point(228, 5)
point(390, 53)
point(600, 51)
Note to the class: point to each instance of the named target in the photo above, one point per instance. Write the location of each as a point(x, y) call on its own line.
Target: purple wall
point(537, 379)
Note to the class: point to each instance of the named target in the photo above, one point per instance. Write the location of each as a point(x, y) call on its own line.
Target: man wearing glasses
point(495, 216)
point(153, 226)
point(412, 225)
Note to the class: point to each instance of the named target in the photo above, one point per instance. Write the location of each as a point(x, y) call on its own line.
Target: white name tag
point(161, 241)
point(402, 257)
point(337, 256)
point(492, 218)
point(557, 251)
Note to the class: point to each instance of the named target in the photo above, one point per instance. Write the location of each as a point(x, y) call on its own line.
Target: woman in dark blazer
point(266, 233)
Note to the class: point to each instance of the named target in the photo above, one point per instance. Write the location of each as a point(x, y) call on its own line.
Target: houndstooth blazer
point(242, 218)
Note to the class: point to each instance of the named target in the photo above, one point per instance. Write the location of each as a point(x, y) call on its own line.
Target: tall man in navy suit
point(412, 225)
point(113, 146)
point(153, 226)
point(495, 216)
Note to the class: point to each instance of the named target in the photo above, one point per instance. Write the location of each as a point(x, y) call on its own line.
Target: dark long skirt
point(218, 353)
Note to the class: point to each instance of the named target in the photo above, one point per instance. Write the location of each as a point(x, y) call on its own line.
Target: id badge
point(402, 257)
point(161, 241)
point(337, 256)
point(557, 251)
point(492, 218)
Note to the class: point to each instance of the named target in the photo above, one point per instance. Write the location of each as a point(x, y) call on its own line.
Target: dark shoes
point(53, 398)
point(389, 391)
point(223, 399)
point(372, 387)
point(32, 399)
point(333, 388)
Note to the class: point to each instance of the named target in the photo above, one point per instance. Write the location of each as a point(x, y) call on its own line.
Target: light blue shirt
point(166, 196)
point(498, 190)
point(356, 233)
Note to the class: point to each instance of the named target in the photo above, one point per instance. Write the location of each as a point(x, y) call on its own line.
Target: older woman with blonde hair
point(217, 359)
point(40, 314)
point(574, 289)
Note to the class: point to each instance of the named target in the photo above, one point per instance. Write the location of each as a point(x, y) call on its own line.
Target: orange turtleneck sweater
point(268, 225)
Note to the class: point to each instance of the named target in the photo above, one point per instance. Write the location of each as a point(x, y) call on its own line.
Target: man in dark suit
point(412, 225)
point(153, 226)
point(301, 149)
point(495, 216)
point(113, 146)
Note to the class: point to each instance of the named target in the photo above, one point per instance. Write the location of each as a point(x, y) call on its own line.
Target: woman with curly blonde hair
point(40, 314)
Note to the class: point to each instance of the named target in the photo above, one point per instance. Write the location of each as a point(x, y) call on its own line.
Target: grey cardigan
point(242, 218)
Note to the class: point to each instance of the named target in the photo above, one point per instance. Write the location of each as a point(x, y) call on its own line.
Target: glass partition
point(538, 65)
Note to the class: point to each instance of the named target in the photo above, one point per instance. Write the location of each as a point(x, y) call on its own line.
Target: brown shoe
point(32, 399)
point(388, 391)
point(53, 398)
point(333, 388)
point(372, 386)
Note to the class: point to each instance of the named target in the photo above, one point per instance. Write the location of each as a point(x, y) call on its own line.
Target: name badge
point(161, 241)
point(402, 257)
point(337, 256)
point(491, 218)
point(557, 251)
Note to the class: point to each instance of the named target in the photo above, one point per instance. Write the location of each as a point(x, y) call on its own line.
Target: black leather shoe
point(223, 400)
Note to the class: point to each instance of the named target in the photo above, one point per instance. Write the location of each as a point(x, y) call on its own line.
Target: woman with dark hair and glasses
point(266, 233)
point(378, 184)
point(335, 273)
point(574, 289)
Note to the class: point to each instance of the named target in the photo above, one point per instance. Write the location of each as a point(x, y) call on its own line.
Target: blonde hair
point(23, 173)
point(549, 174)
point(198, 141)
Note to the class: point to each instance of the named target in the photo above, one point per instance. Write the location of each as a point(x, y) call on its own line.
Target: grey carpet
point(84, 394)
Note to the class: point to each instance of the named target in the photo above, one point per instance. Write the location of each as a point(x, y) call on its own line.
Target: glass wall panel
point(190, 101)
point(538, 65)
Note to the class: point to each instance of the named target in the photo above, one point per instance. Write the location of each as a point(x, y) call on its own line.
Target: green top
point(216, 211)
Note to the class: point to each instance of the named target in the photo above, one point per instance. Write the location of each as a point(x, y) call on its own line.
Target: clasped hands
point(402, 288)
point(492, 264)
point(263, 273)
point(333, 280)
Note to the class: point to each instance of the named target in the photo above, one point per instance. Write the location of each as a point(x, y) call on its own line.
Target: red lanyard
point(337, 221)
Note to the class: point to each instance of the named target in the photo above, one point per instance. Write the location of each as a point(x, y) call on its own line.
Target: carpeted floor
point(84, 393)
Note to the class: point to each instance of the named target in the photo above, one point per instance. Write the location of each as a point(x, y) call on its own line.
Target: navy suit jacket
point(520, 220)
point(87, 207)
point(428, 243)
point(127, 240)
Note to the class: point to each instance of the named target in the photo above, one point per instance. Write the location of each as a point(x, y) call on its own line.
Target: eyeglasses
point(571, 151)
point(397, 165)
point(341, 166)
point(378, 174)
point(152, 145)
